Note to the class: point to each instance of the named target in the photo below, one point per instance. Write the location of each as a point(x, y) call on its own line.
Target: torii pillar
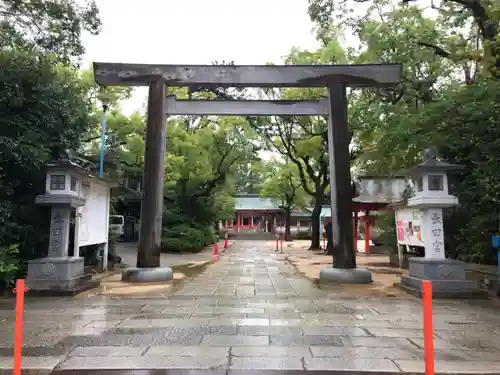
point(344, 268)
point(149, 249)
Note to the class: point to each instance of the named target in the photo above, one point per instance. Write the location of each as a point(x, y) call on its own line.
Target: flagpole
point(103, 132)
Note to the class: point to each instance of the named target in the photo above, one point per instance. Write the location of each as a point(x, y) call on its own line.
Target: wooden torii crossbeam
point(334, 77)
point(366, 75)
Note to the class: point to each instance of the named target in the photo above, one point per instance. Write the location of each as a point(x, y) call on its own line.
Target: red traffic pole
point(19, 290)
point(225, 243)
point(428, 329)
point(216, 248)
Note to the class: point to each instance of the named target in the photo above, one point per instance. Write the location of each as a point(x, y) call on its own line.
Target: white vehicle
point(117, 224)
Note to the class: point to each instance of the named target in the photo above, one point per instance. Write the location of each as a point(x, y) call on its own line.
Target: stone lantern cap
point(431, 164)
point(79, 171)
point(68, 174)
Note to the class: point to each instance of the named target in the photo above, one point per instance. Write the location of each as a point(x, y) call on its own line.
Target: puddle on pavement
point(192, 269)
point(113, 285)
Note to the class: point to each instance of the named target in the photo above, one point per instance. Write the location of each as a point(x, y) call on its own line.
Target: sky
point(197, 32)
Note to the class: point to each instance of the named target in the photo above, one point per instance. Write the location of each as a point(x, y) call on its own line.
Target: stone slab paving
point(250, 311)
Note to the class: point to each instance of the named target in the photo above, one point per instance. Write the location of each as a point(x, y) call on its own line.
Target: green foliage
point(443, 100)
point(224, 205)
point(203, 161)
point(9, 264)
point(182, 238)
point(466, 32)
point(248, 177)
point(43, 110)
point(466, 127)
point(386, 223)
point(209, 235)
point(51, 27)
point(284, 186)
point(200, 165)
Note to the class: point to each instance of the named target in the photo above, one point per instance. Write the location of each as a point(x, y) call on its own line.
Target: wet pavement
point(249, 311)
point(128, 252)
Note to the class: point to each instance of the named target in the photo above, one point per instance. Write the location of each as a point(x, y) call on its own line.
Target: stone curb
point(221, 371)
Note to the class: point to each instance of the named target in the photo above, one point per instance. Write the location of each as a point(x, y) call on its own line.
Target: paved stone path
point(128, 252)
point(250, 311)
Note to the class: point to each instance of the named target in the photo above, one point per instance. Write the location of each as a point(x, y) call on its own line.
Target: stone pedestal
point(58, 276)
point(333, 275)
point(447, 277)
point(148, 275)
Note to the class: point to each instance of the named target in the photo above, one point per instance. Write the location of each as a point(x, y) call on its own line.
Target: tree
point(304, 147)
point(124, 143)
point(248, 176)
point(48, 26)
point(284, 186)
point(447, 99)
point(467, 25)
point(44, 109)
point(201, 162)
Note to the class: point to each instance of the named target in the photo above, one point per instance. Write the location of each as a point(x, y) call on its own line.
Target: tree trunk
point(288, 217)
point(329, 242)
point(316, 232)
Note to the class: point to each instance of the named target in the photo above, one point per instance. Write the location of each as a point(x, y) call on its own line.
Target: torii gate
point(334, 77)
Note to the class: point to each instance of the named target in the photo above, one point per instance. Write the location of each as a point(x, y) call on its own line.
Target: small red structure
point(258, 214)
point(366, 208)
point(372, 194)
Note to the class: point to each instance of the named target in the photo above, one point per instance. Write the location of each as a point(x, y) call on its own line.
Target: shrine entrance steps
point(251, 235)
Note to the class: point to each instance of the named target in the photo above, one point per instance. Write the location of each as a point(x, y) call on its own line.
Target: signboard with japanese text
point(408, 226)
point(434, 235)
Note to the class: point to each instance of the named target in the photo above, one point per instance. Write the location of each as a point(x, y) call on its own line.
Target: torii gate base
point(335, 77)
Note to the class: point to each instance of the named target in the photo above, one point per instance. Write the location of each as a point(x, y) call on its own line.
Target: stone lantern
point(431, 196)
point(68, 191)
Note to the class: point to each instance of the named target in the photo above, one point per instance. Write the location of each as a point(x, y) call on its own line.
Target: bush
point(386, 223)
point(9, 265)
point(182, 238)
point(209, 235)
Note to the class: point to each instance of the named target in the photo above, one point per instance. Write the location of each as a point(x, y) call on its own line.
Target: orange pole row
point(18, 335)
point(428, 329)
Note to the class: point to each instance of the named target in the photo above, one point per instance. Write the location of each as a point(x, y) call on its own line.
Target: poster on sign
point(408, 227)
